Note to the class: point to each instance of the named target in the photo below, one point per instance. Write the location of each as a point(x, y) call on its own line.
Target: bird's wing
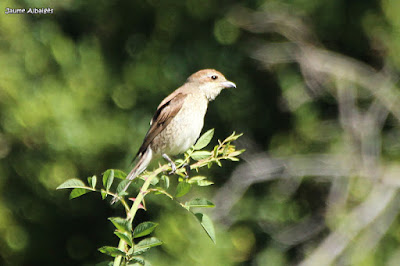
point(163, 116)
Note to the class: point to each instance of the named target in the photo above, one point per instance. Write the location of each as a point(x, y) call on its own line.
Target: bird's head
point(211, 82)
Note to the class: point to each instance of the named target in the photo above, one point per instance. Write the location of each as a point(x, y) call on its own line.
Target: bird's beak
point(228, 84)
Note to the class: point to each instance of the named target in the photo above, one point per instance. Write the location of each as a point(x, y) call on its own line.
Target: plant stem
point(132, 212)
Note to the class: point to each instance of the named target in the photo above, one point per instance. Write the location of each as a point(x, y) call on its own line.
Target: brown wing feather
point(162, 118)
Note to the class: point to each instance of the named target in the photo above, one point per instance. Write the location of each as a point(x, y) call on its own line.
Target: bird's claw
point(173, 169)
point(173, 166)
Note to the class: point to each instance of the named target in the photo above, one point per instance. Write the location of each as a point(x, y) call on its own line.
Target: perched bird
point(179, 119)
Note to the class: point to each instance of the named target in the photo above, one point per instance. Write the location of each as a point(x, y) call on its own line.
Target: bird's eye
point(214, 77)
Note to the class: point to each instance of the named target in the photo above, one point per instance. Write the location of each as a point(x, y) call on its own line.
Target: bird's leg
point(173, 166)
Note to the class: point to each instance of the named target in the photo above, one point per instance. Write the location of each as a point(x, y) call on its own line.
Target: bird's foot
point(173, 166)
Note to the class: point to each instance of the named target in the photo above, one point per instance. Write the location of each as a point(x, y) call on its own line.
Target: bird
point(178, 120)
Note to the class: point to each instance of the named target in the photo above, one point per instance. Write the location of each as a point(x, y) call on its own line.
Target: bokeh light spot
point(225, 32)
point(243, 240)
point(124, 97)
point(17, 238)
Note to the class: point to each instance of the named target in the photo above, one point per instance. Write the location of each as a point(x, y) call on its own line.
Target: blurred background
point(317, 99)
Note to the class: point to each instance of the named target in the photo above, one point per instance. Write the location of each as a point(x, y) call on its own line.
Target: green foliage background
point(78, 88)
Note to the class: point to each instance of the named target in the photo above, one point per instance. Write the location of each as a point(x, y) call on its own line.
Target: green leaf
point(204, 140)
point(121, 186)
point(92, 181)
point(179, 161)
point(165, 181)
point(207, 225)
point(236, 153)
point(119, 174)
point(199, 155)
point(72, 183)
point(154, 181)
point(195, 179)
point(136, 260)
point(226, 149)
point(77, 192)
point(204, 183)
point(200, 181)
point(145, 245)
point(233, 137)
point(215, 151)
point(103, 194)
point(182, 189)
point(144, 229)
point(121, 224)
point(200, 202)
point(112, 251)
point(125, 237)
point(108, 178)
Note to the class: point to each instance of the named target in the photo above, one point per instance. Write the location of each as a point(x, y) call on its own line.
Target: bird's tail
point(144, 161)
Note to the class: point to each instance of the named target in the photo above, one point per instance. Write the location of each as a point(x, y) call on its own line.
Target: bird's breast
point(184, 129)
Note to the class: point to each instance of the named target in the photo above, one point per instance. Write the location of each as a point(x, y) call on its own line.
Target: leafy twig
point(128, 250)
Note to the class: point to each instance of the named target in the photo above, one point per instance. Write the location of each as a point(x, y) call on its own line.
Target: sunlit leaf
point(215, 151)
point(108, 179)
point(179, 161)
point(233, 137)
point(195, 179)
point(121, 224)
point(207, 225)
point(77, 192)
point(182, 189)
point(165, 181)
point(145, 245)
point(226, 149)
point(236, 153)
point(154, 181)
point(204, 183)
point(200, 202)
point(92, 181)
point(125, 237)
point(72, 183)
point(204, 140)
point(119, 174)
point(112, 251)
point(199, 155)
point(200, 181)
point(144, 229)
